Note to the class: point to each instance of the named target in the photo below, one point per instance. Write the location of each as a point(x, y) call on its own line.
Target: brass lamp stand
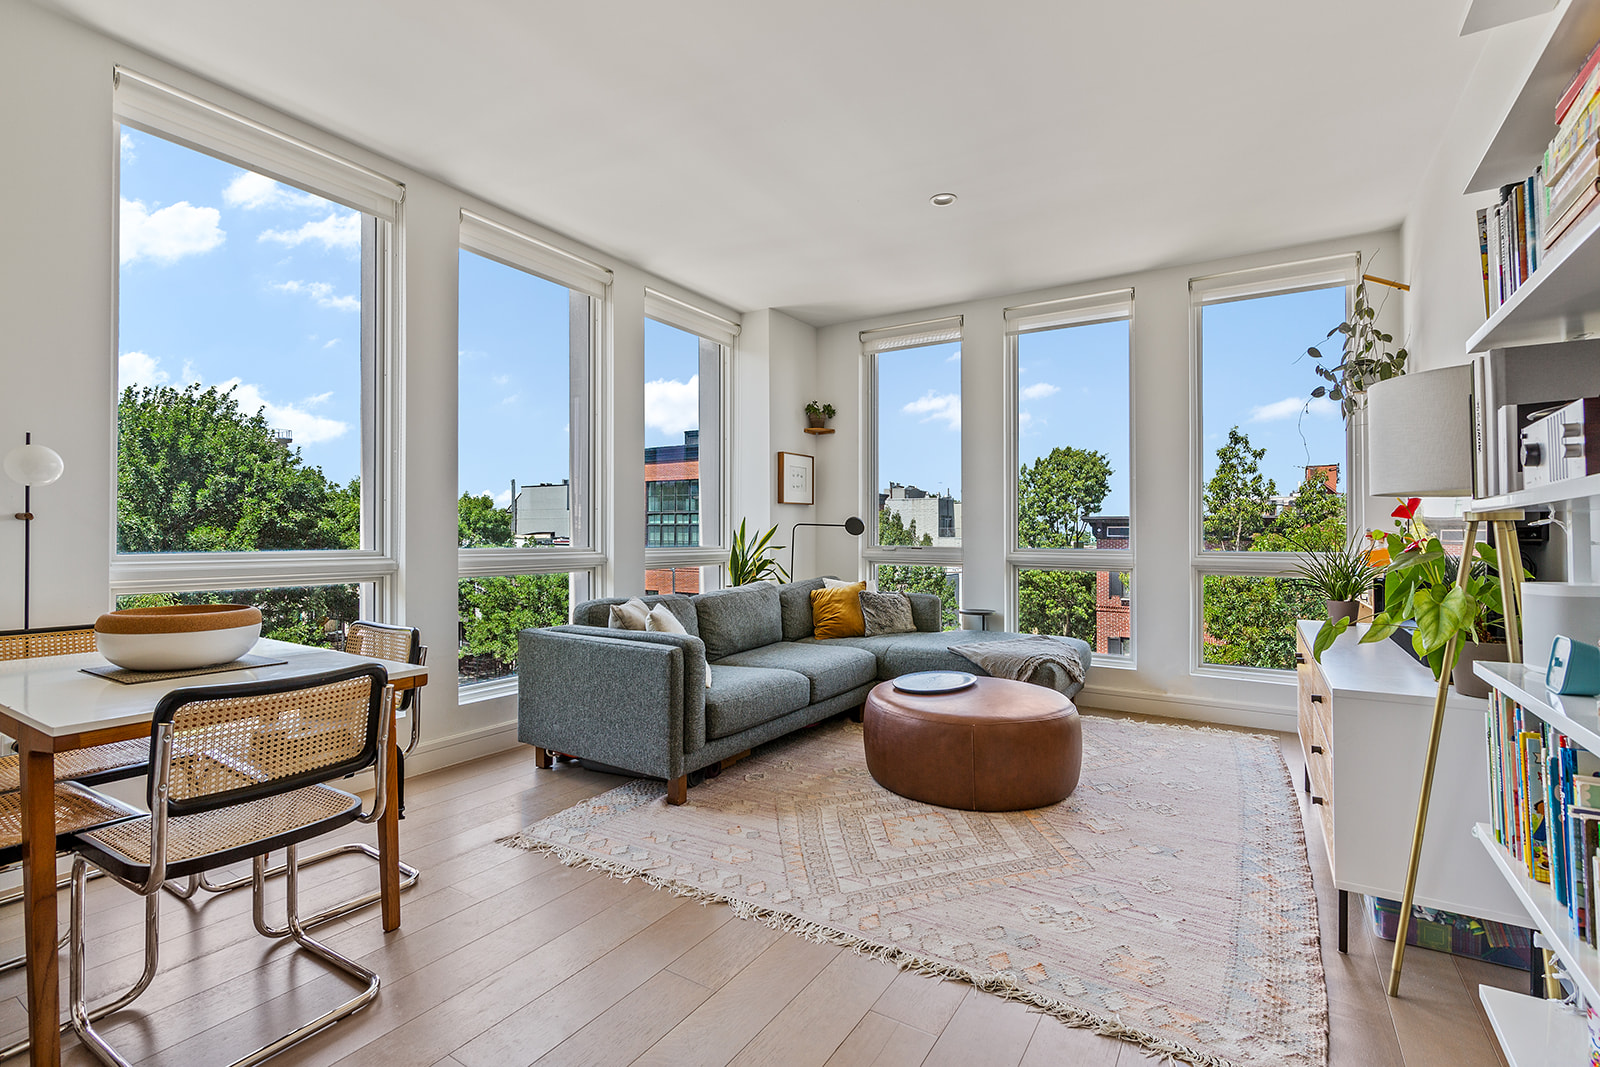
point(1503, 524)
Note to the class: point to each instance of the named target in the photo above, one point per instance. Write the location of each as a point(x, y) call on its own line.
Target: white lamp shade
point(1419, 434)
point(33, 465)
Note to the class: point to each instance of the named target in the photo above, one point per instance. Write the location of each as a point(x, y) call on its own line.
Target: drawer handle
point(1316, 750)
point(1299, 657)
point(1316, 698)
point(1316, 799)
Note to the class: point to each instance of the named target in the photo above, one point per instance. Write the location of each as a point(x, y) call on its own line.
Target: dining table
point(49, 704)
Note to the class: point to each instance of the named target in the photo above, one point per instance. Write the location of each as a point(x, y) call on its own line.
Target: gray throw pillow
point(886, 613)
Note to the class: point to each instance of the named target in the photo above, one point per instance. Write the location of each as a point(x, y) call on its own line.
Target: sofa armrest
point(927, 611)
point(635, 701)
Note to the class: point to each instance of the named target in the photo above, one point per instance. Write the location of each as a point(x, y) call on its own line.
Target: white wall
point(1163, 603)
point(57, 279)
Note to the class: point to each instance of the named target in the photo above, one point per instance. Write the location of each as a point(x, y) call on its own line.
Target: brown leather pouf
point(998, 746)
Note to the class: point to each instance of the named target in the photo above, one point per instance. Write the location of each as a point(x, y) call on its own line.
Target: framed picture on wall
point(796, 478)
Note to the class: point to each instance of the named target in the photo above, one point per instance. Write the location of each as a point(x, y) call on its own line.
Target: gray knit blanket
point(1036, 658)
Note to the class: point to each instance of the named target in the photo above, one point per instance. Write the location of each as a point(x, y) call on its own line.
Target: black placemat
point(124, 676)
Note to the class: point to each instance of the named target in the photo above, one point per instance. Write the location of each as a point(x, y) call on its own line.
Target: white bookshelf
point(1535, 1033)
point(1557, 302)
point(1576, 716)
point(1549, 917)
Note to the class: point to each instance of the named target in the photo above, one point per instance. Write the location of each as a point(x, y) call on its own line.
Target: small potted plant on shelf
point(1364, 357)
point(749, 559)
point(1419, 586)
point(1339, 575)
point(818, 414)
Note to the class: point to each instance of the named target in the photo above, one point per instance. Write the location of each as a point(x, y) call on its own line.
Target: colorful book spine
point(1489, 304)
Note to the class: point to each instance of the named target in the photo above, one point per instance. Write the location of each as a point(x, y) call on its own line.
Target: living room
point(740, 179)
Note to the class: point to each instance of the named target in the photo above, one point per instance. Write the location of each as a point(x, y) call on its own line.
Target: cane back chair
point(237, 771)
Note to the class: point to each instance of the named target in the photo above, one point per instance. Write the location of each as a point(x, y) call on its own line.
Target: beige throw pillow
point(630, 616)
point(835, 583)
point(886, 613)
point(662, 621)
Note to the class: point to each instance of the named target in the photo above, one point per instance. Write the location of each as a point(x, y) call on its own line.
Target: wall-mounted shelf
point(1549, 917)
point(1535, 1033)
point(1557, 303)
point(1576, 716)
point(1564, 491)
point(818, 431)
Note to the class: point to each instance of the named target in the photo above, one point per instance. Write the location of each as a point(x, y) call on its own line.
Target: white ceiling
point(782, 155)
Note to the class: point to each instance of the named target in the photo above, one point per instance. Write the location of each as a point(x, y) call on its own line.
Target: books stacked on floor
point(1534, 215)
point(1547, 808)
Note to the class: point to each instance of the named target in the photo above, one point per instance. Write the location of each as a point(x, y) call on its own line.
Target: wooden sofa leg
point(858, 712)
point(678, 789)
point(541, 758)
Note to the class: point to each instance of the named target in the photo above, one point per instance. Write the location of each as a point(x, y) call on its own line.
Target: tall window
point(1271, 465)
point(915, 383)
point(685, 351)
point(527, 351)
point(1068, 362)
point(251, 335)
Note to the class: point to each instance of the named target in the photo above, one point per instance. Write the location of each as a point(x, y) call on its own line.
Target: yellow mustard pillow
point(836, 612)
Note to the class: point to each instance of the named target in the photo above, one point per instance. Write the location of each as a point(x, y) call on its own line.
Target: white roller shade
point(911, 335)
point(516, 249)
point(1071, 311)
point(171, 113)
point(685, 316)
point(1284, 278)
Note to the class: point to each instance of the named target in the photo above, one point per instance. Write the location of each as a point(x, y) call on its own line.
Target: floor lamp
point(1420, 443)
point(852, 526)
point(29, 465)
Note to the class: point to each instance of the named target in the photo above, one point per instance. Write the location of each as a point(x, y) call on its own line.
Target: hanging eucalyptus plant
point(1364, 357)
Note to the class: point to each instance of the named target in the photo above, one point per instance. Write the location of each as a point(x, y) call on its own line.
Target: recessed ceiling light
point(942, 199)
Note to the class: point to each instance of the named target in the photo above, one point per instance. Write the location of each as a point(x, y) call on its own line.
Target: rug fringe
point(997, 983)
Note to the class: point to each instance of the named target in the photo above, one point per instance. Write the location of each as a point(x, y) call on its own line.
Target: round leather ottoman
point(998, 746)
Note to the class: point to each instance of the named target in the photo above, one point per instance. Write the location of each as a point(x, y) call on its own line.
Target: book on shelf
point(1587, 75)
point(1483, 252)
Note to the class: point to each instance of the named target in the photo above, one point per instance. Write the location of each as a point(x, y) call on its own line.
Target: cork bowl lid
point(178, 619)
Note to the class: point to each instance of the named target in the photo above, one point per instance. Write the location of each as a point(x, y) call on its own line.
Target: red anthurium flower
point(1408, 510)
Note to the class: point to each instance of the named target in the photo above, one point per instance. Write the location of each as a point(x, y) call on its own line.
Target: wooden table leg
point(389, 845)
point(39, 901)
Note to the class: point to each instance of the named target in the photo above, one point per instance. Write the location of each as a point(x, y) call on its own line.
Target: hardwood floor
point(508, 958)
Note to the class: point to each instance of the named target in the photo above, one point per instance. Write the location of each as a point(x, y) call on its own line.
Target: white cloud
point(502, 379)
point(308, 429)
point(250, 190)
point(322, 293)
point(954, 357)
point(930, 406)
point(189, 374)
point(672, 406)
point(1038, 391)
point(1290, 407)
point(128, 154)
point(512, 399)
point(320, 398)
point(331, 343)
point(502, 499)
point(1024, 421)
point(335, 231)
point(170, 233)
point(138, 368)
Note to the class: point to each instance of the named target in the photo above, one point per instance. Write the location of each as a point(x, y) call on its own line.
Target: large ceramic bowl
point(177, 638)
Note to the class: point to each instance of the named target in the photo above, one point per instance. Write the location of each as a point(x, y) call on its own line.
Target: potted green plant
point(818, 414)
point(1364, 356)
point(749, 559)
point(1419, 585)
point(1338, 575)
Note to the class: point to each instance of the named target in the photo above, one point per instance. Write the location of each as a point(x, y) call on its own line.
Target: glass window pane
point(241, 310)
point(1272, 458)
point(682, 436)
point(942, 581)
point(523, 429)
point(493, 610)
point(1249, 621)
point(919, 446)
point(1072, 437)
point(1094, 606)
point(304, 614)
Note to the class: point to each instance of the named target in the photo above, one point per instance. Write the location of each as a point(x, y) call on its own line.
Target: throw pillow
point(886, 613)
point(662, 621)
point(835, 583)
point(837, 612)
point(628, 616)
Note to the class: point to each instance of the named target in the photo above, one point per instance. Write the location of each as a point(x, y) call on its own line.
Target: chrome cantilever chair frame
point(83, 1017)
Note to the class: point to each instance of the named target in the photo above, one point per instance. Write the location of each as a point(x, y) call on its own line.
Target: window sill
point(478, 692)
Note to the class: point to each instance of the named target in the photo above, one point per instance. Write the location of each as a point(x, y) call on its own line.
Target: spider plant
point(749, 560)
point(1337, 574)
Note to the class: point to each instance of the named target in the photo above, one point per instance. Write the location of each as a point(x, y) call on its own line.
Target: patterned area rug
point(1168, 902)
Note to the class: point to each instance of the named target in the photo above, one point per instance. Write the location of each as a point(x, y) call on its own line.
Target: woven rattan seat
point(76, 809)
point(63, 641)
point(101, 763)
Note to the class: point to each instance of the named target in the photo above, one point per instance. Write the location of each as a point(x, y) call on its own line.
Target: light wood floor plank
point(1055, 1042)
point(985, 1029)
point(879, 1041)
point(626, 1029)
point(724, 954)
point(921, 1001)
point(817, 1021)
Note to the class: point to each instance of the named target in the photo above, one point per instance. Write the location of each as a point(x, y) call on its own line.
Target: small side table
point(968, 614)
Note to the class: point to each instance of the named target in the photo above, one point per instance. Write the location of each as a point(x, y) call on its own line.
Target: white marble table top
point(54, 696)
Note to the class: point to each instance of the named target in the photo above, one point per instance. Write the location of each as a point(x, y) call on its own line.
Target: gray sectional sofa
point(639, 700)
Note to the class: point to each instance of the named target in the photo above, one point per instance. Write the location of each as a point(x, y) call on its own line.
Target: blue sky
point(230, 278)
point(919, 418)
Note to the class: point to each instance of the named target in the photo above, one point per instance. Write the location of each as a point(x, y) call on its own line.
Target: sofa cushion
point(742, 697)
point(794, 604)
point(732, 620)
point(598, 612)
point(831, 669)
point(878, 646)
point(927, 612)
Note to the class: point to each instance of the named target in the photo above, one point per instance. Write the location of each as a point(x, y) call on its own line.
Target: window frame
point(1325, 272)
point(181, 118)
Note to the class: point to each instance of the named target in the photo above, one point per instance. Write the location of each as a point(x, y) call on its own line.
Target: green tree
point(1313, 520)
point(495, 609)
point(1057, 493)
point(197, 474)
point(1061, 603)
point(1238, 496)
point(481, 524)
point(893, 530)
point(1249, 621)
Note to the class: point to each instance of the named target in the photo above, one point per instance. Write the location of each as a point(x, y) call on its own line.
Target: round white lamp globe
point(33, 465)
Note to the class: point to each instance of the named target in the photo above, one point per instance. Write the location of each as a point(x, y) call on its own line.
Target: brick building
point(672, 510)
point(1113, 621)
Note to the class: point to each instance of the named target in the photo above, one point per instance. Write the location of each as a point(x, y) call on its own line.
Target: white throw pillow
point(835, 583)
point(630, 616)
point(662, 621)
